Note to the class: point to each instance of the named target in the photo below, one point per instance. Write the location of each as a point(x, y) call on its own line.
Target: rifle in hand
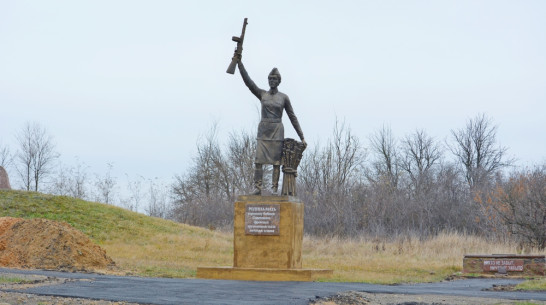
point(238, 50)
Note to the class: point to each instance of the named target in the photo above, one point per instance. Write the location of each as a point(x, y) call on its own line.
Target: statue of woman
point(270, 130)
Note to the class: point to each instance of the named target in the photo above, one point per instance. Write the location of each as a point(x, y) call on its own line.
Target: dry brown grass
point(402, 260)
point(353, 260)
point(172, 254)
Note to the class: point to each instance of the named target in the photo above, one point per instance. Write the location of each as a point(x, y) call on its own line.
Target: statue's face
point(274, 81)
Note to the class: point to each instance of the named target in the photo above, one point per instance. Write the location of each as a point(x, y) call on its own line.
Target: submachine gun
point(238, 50)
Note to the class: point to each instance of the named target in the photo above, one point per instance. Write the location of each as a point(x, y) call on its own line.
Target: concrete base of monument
point(267, 242)
point(262, 274)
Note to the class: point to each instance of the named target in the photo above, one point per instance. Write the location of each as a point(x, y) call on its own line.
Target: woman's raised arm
point(249, 83)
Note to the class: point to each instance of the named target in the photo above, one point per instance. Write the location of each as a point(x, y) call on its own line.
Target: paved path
point(198, 291)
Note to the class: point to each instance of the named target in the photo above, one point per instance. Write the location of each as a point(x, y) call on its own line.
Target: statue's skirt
point(270, 140)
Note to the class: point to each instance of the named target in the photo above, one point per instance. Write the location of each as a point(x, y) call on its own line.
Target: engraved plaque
point(262, 219)
point(503, 264)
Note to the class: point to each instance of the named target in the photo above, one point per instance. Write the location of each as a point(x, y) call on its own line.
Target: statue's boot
point(258, 176)
point(276, 175)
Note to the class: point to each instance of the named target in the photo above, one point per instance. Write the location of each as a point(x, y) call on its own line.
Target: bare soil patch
point(50, 245)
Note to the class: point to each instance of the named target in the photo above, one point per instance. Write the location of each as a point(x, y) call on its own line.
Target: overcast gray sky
point(136, 83)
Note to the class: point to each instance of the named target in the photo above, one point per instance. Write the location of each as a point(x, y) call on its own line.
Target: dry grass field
point(353, 260)
point(147, 246)
point(402, 260)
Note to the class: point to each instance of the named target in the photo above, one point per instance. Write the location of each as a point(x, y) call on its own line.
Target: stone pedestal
point(267, 243)
point(257, 250)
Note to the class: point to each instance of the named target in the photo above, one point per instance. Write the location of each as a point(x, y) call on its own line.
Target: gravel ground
point(363, 298)
point(347, 298)
point(13, 298)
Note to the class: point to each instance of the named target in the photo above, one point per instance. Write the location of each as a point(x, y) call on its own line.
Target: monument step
point(262, 274)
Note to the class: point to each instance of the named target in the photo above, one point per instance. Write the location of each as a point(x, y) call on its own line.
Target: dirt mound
point(47, 244)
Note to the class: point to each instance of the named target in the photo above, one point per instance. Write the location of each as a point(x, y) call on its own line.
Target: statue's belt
point(271, 120)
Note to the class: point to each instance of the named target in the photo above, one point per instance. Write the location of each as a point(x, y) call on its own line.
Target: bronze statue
point(270, 137)
point(270, 130)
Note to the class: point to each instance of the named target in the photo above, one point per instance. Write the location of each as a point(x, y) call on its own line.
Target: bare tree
point(521, 203)
point(337, 165)
point(25, 156)
point(328, 178)
point(476, 149)
point(70, 181)
point(241, 150)
point(79, 181)
point(60, 182)
point(158, 200)
point(385, 166)
point(419, 157)
point(105, 186)
point(35, 156)
point(419, 154)
point(204, 195)
point(137, 193)
point(5, 156)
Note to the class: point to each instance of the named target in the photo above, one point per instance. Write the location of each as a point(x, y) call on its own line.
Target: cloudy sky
point(137, 83)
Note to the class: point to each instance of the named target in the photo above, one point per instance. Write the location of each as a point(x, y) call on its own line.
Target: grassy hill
point(149, 246)
point(139, 244)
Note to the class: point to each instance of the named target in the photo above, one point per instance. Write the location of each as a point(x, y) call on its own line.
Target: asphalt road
point(198, 291)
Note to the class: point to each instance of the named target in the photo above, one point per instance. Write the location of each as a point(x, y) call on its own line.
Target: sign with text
point(504, 264)
point(262, 219)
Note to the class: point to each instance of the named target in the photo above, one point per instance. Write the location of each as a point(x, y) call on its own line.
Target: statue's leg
point(258, 177)
point(276, 175)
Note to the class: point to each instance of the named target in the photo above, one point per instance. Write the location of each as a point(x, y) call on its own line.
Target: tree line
point(37, 167)
point(383, 185)
point(380, 186)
